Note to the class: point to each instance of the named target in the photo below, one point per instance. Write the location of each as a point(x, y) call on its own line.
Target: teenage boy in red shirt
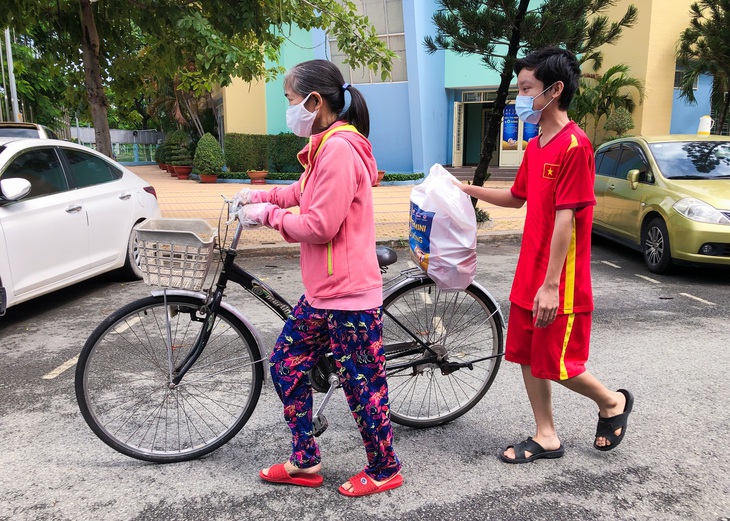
point(551, 298)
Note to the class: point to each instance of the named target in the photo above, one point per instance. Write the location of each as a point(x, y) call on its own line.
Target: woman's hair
point(553, 64)
point(324, 77)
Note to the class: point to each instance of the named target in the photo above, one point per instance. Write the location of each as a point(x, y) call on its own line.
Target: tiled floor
point(192, 199)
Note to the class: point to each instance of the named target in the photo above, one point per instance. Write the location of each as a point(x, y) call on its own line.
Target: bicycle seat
point(386, 256)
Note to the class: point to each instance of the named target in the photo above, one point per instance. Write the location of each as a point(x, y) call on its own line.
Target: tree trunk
point(92, 79)
point(142, 109)
point(494, 119)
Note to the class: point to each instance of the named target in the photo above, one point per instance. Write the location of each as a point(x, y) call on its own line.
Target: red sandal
point(363, 485)
point(278, 474)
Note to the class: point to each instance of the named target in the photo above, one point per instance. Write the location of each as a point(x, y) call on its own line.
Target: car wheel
point(131, 269)
point(655, 244)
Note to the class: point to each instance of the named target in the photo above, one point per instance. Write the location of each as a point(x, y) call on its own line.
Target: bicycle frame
point(279, 305)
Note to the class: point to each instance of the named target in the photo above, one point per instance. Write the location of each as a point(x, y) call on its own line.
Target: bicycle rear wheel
point(453, 364)
point(123, 382)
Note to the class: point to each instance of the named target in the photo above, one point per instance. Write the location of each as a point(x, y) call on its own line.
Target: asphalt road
point(664, 338)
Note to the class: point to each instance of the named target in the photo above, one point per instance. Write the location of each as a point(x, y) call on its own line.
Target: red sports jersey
point(553, 177)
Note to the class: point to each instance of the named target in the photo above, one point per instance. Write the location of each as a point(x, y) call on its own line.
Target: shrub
point(245, 152)
point(208, 158)
point(283, 150)
point(181, 155)
point(619, 121)
point(158, 155)
point(176, 150)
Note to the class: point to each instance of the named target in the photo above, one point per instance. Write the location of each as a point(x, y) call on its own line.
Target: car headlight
point(700, 211)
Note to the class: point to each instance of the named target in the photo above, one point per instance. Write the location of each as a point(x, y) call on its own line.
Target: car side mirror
point(14, 188)
point(633, 178)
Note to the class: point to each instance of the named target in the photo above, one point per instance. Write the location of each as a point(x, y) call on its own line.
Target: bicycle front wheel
point(124, 380)
point(442, 349)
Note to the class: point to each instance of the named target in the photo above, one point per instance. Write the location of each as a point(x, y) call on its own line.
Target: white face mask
point(524, 106)
point(299, 119)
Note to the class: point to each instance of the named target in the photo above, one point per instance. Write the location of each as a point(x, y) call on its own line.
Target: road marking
point(61, 368)
point(647, 278)
point(611, 264)
point(698, 299)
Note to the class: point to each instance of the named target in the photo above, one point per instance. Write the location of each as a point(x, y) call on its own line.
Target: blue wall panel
point(686, 117)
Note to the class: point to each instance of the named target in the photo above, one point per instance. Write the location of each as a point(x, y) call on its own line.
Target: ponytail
point(356, 113)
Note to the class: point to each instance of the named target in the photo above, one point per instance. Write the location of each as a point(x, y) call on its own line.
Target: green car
point(666, 196)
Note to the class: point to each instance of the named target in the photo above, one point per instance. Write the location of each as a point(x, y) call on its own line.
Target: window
point(678, 80)
point(387, 18)
point(608, 164)
point(88, 170)
point(633, 159)
point(42, 168)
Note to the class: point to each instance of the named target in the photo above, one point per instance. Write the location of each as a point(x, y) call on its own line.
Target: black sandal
point(537, 450)
point(607, 427)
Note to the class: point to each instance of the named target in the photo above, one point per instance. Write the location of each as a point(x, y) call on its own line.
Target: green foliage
point(244, 152)
point(481, 214)
point(40, 84)
point(294, 176)
point(703, 49)
point(619, 121)
point(601, 94)
point(208, 158)
point(177, 151)
point(403, 177)
point(159, 155)
point(283, 150)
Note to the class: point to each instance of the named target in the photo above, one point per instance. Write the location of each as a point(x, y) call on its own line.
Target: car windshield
point(693, 159)
point(19, 132)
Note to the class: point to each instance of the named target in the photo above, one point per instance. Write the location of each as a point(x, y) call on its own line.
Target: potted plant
point(259, 156)
point(183, 162)
point(208, 161)
point(257, 177)
point(160, 157)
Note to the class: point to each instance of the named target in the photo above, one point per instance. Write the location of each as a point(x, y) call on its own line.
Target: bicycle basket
point(175, 253)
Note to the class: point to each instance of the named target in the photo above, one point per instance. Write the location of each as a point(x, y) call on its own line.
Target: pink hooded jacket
point(336, 224)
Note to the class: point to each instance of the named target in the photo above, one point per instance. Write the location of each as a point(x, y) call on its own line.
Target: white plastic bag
point(443, 231)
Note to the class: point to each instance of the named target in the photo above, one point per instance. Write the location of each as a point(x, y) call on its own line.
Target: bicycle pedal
point(320, 424)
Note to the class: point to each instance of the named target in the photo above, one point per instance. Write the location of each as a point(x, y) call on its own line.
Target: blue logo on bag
point(419, 237)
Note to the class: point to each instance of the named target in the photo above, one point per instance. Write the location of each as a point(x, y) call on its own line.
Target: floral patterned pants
point(355, 340)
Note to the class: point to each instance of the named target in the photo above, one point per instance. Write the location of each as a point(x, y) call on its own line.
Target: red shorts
point(556, 352)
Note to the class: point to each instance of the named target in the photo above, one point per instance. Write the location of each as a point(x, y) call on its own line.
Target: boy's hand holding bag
point(443, 231)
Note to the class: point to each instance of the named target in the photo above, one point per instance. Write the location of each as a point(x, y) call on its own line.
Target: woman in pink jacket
point(341, 306)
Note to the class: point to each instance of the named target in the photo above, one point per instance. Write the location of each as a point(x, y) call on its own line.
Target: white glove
point(243, 197)
point(252, 215)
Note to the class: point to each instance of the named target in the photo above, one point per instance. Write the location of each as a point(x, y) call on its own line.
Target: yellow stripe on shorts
point(566, 339)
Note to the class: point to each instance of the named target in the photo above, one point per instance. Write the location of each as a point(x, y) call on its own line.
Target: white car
point(76, 222)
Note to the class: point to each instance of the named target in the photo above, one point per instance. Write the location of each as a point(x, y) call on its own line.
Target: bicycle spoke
point(125, 393)
point(426, 386)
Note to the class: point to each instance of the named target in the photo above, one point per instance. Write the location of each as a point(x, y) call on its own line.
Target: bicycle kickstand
point(319, 422)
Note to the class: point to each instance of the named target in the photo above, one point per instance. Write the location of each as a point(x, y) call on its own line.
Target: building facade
point(433, 109)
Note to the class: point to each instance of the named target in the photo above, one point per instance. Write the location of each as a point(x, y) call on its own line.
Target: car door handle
point(73, 209)
point(611, 187)
point(124, 197)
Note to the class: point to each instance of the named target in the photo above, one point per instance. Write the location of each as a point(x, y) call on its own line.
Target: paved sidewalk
point(191, 199)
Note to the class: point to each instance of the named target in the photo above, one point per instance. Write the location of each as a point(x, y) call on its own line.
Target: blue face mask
point(524, 106)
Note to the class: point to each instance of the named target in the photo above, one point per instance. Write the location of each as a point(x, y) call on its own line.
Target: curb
point(396, 243)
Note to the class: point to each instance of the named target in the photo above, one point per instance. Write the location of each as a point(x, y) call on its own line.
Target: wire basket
point(175, 253)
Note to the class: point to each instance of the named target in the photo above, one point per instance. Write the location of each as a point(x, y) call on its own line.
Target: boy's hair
point(553, 64)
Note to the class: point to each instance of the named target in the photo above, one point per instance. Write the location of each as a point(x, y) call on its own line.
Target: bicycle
point(175, 375)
